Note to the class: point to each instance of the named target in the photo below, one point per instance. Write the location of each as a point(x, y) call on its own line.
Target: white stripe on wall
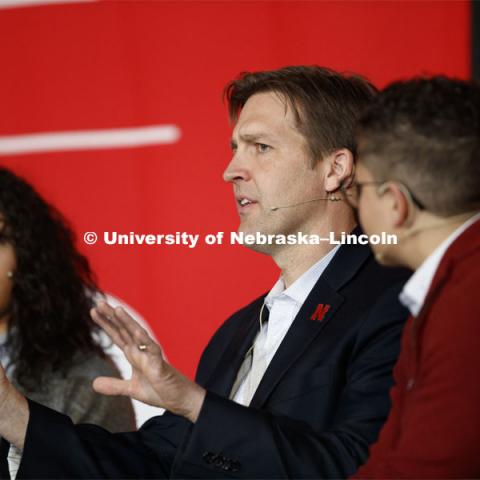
point(36, 3)
point(89, 139)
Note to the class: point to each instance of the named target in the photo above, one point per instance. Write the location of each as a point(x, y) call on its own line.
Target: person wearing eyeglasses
point(418, 176)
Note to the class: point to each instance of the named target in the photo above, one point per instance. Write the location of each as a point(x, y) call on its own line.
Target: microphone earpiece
point(330, 197)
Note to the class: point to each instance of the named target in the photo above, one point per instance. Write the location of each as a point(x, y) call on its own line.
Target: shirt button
point(410, 383)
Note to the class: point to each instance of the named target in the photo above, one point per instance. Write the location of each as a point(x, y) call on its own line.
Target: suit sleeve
point(56, 448)
point(230, 440)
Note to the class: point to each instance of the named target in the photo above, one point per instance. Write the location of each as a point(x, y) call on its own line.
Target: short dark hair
point(326, 104)
point(425, 132)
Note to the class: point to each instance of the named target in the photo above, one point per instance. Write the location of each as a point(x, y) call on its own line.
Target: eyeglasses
point(352, 197)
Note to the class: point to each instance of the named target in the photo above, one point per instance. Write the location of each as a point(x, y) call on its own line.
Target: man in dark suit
point(419, 154)
point(296, 383)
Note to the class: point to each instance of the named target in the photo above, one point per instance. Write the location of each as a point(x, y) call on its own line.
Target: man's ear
point(339, 169)
point(397, 202)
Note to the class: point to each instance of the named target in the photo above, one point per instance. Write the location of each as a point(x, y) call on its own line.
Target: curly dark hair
point(53, 287)
point(425, 132)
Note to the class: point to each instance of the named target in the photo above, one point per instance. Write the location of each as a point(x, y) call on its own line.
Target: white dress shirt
point(415, 290)
point(283, 305)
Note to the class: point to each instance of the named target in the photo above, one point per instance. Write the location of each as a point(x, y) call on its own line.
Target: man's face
point(375, 213)
point(271, 167)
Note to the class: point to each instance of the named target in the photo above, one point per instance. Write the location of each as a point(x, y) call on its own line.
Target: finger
point(111, 386)
point(105, 309)
point(130, 350)
point(139, 335)
point(109, 312)
point(109, 328)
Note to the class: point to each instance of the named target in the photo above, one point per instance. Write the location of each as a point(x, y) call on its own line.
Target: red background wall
point(120, 64)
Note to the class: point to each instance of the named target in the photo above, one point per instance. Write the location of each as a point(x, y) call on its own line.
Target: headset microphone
point(332, 198)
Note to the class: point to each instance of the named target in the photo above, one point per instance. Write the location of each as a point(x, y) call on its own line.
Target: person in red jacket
point(418, 177)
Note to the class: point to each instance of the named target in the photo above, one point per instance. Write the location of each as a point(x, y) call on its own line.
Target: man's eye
point(262, 147)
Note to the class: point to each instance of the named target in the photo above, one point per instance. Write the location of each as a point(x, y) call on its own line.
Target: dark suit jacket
point(320, 404)
point(434, 427)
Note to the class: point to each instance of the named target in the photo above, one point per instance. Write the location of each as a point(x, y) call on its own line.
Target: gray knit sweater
point(74, 396)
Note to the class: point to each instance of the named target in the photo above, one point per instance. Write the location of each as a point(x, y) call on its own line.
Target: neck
point(295, 260)
point(425, 238)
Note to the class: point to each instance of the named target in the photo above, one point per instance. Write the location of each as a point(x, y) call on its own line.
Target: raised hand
point(153, 381)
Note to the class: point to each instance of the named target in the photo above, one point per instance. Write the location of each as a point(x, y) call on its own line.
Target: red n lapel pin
point(320, 312)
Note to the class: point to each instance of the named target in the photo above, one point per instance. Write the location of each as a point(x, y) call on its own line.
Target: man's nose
point(237, 169)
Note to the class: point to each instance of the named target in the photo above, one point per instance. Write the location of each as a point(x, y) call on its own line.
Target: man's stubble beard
point(272, 223)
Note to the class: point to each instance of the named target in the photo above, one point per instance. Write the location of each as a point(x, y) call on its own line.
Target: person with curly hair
point(47, 337)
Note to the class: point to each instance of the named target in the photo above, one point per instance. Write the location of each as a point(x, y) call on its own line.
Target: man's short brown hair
point(425, 133)
point(326, 104)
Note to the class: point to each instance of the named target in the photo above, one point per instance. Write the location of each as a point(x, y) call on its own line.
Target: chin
point(265, 248)
point(248, 227)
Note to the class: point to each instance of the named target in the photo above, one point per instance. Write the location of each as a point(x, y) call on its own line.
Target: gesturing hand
point(153, 381)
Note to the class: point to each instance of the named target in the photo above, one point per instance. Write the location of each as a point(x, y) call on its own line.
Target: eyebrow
point(252, 138)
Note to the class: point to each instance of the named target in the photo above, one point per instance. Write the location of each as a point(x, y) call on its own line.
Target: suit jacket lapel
point(299, 337)
point(305, 329)
point(224, 375)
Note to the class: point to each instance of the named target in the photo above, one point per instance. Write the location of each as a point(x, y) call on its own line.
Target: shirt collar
point(299, 290)
point(415, 290)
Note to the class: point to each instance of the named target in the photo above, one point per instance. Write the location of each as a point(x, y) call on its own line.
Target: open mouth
point(244, 203)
